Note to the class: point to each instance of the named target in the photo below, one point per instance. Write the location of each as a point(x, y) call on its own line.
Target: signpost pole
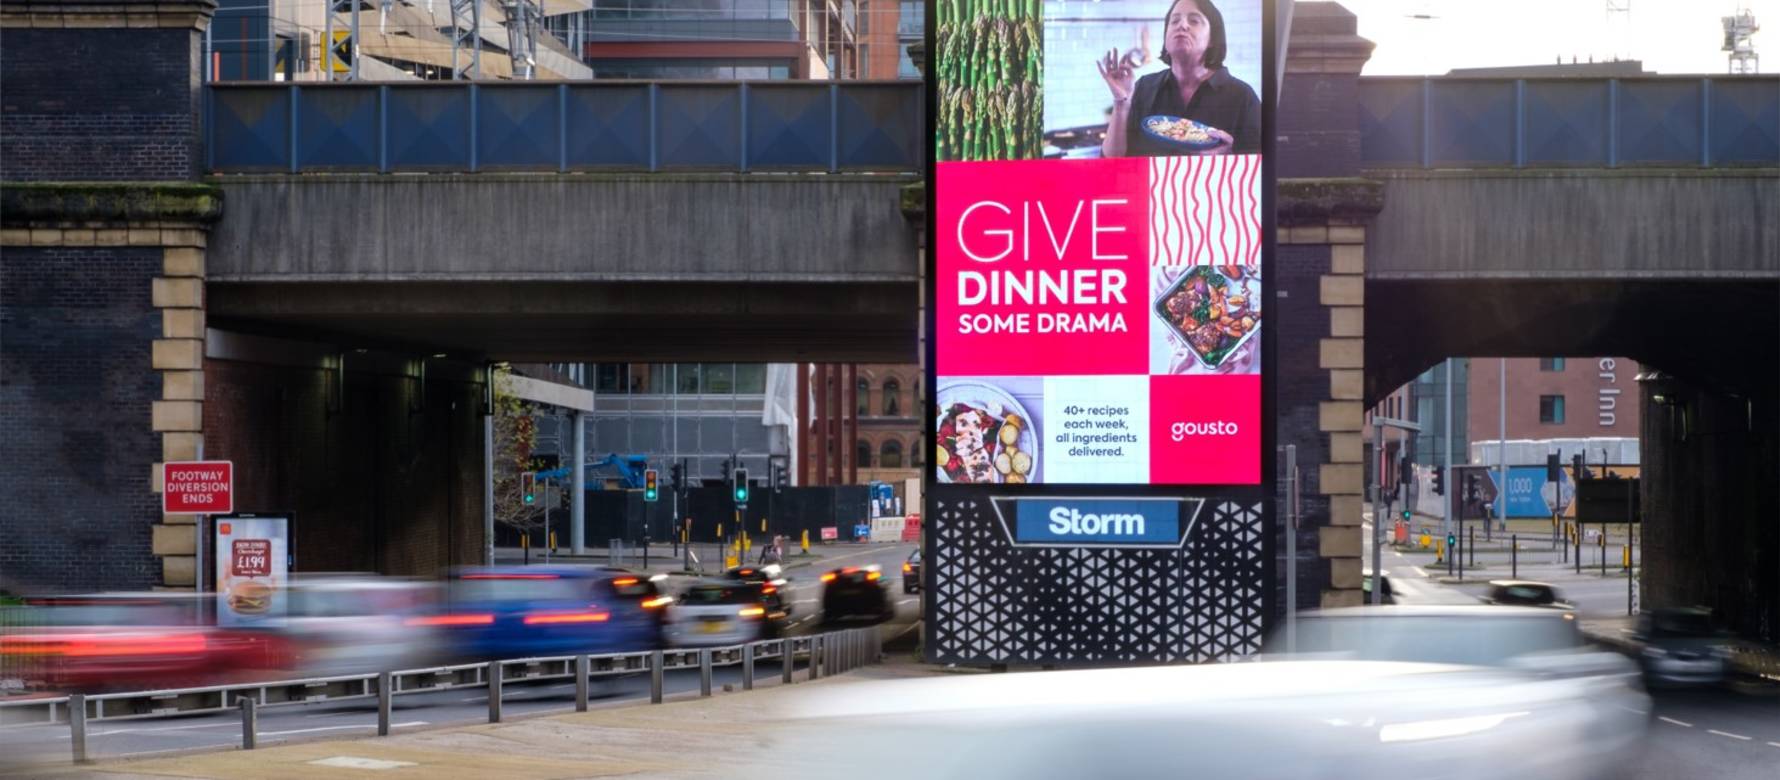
point(1446, 463)
point(1377, 508)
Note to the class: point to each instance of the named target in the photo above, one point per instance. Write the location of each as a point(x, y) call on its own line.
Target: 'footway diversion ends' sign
point(204, 487)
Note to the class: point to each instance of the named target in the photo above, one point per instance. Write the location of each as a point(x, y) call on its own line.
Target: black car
point(770, 582)
point(1683, 646)
point(646, 592)
point(855, 593)
point(1525, 593)
point(911, 573)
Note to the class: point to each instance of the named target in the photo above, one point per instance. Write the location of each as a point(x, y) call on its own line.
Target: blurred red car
point(127, 641)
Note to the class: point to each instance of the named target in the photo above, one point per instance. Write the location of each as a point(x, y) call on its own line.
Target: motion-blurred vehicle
point(360, 623)
point(1525, 593)
point(723, 612)
point(534, 611)
point(911, 573)
point(131, 641)
point(772, 581)
point(1682, 647)
point(1289, 719)
point(1471, 635)
point(855, 593)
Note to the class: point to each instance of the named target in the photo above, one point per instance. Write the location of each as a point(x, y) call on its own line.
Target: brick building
point(1554, 398)
point(866, 428)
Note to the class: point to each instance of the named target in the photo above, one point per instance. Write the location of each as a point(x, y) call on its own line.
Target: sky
point(1670, 36)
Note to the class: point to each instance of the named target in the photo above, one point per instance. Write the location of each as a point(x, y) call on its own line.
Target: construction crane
point(1738, 29)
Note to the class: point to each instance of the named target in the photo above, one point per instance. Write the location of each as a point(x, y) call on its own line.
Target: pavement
point(684, 739)
point(37, 746)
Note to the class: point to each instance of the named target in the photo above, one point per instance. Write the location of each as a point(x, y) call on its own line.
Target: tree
point(515, 436)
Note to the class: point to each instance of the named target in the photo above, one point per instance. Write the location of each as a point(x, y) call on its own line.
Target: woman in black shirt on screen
point(1196, 86)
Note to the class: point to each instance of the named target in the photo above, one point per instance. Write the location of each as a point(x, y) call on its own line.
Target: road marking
point(475, 698)
point(1727, 734)
point(1775, 744)
point(337, 728)
point(1681, 723)
point(1636, 710)
point(907, 601)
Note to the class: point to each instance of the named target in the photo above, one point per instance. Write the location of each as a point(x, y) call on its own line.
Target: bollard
point(583, 665)
point(1603, 551)
point(385, 702)
point(704, 672)
point(816, 645)
point(250, 722)
point(656, 659)
point(1514, 556)
point(494, 691)
point(748, 666)
point(787, 658)
point(1471, 545)
point(77, 726)
point(1576, 533)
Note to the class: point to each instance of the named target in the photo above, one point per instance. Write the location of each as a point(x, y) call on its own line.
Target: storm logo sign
point(1095, 521)
point(1070, 522)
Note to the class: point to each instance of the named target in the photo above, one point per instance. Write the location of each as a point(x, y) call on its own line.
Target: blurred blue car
point(532, 611)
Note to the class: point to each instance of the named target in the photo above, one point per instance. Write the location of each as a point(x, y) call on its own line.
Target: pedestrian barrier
point(828, 654)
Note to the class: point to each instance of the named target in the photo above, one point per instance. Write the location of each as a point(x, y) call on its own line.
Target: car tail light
point(872, 575)
point(829, 577)
point(553, 618)
point(624, 581)
point(510, 577)
point(451, 620)
point(769, 589)
point(906, 568)
point(91, 646)
point(752, 611)
point(658, 601)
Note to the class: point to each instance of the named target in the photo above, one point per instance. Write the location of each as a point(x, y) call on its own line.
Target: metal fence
point(828, 654)
point(1457, 122)
point(582, 126)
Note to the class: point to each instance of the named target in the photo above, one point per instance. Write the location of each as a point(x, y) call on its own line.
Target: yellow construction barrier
point(806, 542)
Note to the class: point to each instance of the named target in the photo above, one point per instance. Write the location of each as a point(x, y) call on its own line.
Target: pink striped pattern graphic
point(1205, 210)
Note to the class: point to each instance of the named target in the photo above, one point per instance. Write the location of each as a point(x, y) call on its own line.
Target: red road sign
point(203, 487)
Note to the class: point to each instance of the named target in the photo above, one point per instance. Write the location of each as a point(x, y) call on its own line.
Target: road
point(27, 745)
point(1716, 733)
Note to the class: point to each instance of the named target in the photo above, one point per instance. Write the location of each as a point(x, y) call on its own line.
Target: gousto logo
point(1181, 430)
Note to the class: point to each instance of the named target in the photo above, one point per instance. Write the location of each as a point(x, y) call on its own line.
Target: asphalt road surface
point(22, 746)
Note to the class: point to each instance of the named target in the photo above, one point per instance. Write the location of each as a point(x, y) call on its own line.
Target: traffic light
point(528, 487)
point(1578, 467)
point(1405, 514)
point(1439, 481)
point(1554, 470)
point(1405, 472)
point(1470, 487)
point(740, 485)
point(651, 490)
point(781, 477)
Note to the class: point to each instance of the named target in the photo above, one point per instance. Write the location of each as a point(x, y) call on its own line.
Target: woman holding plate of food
point(1193, 107)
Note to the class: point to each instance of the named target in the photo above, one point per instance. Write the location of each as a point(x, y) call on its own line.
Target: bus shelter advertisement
point(1098, 242)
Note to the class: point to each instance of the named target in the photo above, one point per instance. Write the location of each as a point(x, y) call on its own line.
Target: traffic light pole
point(1379, 423)
point(578, 501)
point(1446, 457)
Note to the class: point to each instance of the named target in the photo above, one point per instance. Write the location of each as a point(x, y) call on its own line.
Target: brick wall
point(377, 480)
point(75, 394)
point(99, 104)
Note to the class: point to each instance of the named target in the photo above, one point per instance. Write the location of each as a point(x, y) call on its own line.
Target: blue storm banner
point(1097, 522)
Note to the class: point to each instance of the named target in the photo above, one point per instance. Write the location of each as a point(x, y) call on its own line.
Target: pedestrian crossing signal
point(651, 490)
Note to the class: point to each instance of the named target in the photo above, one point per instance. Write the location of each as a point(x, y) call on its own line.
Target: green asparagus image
point(990, 57)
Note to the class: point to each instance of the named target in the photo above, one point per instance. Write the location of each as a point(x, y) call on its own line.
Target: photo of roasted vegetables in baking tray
point(984, 436)
point(1213, 310)
point(990, 60)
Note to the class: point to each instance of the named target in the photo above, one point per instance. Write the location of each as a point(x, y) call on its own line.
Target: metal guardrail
point(1656, 121)
point(778, 126)
point(829, 653)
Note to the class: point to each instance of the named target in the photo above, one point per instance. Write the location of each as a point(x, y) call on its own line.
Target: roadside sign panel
point(204, 487)
point(252, 557)
point(830, 533)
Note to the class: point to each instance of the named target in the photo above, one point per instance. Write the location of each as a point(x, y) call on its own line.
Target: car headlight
point(1655, 652)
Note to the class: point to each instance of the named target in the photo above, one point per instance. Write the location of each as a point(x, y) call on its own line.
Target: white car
point(358, 623)
point(716, 613)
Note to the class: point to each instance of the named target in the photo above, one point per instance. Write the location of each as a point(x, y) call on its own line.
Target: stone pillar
point(1319, 273)
point(102, 239)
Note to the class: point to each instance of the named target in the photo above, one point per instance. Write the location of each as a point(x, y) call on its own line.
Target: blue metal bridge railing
point(1658, 121)
point(582, 126)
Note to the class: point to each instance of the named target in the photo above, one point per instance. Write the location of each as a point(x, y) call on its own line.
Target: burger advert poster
point(252, 565)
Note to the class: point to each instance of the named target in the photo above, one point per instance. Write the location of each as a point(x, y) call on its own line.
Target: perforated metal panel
point(995, 603)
